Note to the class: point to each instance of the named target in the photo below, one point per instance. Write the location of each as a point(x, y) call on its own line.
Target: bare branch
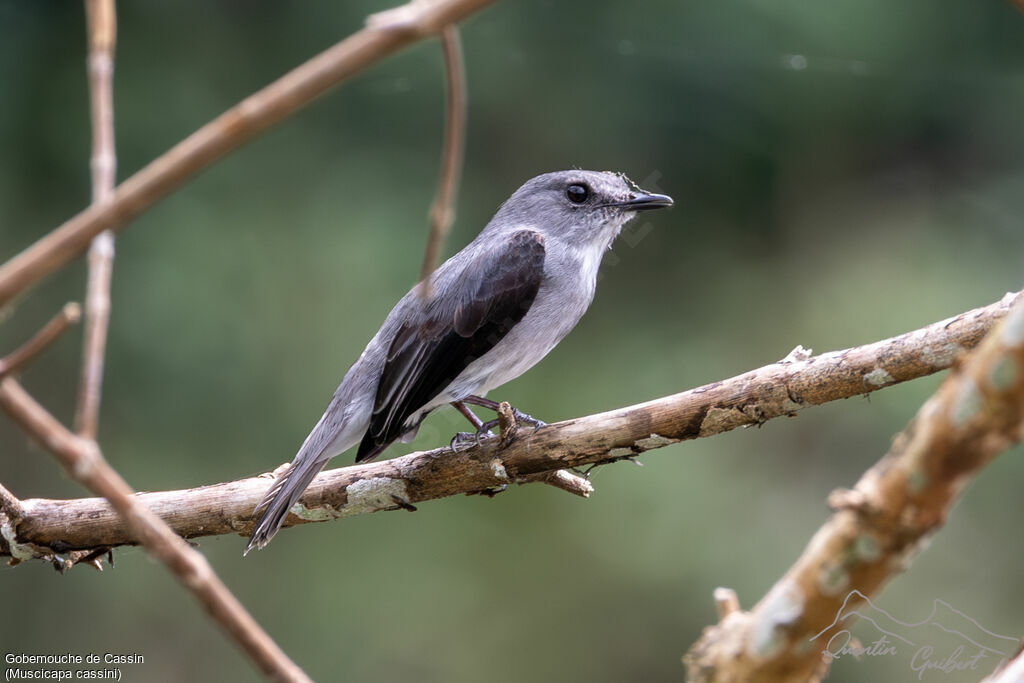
point(14, 361)
point(102, 36)
point(384, 35)
point(442, 211)
point(83, 461)
point(1012, 670)
point(753, 398)
point(10, 504)
point(726, 602)
point(977, 412)
point(562, 479)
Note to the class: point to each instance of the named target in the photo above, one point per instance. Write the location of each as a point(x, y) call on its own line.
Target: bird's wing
point(432, 349)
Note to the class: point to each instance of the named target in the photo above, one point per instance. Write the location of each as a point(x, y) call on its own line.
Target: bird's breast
point(563, 298)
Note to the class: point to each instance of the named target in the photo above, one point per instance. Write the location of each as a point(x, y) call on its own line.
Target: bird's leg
point(468, 414)
point(516, 413)
point(482, 428)
point(482, 402)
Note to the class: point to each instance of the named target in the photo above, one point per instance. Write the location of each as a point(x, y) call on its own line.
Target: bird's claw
point(472, 438)
point(484, 431)
point(528, 419)
point(460, 438)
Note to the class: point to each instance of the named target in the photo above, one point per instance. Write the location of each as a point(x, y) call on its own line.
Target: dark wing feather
point(429, 352)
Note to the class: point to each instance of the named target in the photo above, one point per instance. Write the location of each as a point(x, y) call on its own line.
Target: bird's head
point(581, 208)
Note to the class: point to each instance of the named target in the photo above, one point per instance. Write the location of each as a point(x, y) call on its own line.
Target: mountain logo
point(945, 641)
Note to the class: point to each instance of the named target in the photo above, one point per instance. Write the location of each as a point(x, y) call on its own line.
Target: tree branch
point(15, 360)
point(10, 505)
point(384, 34)
point(775, 390)
point(1011, 671)
point(83, 461)
point(880, 526)
point(442, 211)
point(102, 35)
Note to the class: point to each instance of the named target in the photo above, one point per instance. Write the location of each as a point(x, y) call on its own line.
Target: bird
point(489, 313)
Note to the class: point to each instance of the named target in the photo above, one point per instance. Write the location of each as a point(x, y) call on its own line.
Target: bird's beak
point(644, 202)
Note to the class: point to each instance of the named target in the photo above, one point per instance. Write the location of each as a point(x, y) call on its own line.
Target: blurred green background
point(843, 171)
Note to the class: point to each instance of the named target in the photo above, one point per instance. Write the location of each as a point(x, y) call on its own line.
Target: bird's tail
point(278, 500)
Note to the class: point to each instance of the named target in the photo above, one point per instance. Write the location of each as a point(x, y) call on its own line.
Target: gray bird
point(495, 309)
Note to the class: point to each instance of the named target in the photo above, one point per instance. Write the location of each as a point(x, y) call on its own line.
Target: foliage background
point(843, 172)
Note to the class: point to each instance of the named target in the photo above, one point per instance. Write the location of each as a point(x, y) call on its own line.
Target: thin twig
point(563, 479)
point(383, 36)
point(83, 461)
point(15, 360)
point(775, 390)
point(102, 37)
point(977, 412)
point(93, 558)
point(190, 567)
point(442, 211)
point(726, 602)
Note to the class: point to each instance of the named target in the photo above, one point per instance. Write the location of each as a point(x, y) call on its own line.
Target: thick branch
point(772, 391)
point(83, 461)
point(102, 36)
point(385, 34)
point(880, 526)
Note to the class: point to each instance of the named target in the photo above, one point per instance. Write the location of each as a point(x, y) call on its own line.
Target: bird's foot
point(472, 438)
point(522, 417)
point(508, 421)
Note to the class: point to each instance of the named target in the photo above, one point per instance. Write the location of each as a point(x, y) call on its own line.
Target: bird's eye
point(577, 194)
